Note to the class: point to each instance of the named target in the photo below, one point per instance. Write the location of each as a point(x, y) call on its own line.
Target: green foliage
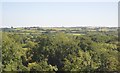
point(11, 53)
point(60, 52)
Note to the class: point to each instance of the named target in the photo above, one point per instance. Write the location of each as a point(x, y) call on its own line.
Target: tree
point(11, 53)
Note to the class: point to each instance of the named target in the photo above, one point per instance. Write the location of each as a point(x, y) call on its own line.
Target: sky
point(59, 14)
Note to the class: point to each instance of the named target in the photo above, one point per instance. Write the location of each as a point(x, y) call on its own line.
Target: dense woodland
point(93, 51)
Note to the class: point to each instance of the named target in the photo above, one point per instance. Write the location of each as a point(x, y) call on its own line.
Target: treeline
point(60, 52)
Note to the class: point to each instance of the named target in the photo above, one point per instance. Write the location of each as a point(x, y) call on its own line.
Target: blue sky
point(52, 14)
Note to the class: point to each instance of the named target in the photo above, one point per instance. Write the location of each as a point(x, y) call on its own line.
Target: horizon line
point(54, 26)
